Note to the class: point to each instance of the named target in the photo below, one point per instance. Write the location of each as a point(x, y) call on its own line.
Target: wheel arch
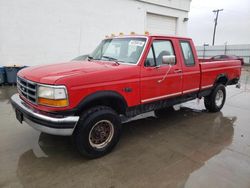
point(221, 79)
point(107, 98)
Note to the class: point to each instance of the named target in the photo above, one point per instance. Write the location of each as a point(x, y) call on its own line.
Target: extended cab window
point(187, 53)
point(159, 49)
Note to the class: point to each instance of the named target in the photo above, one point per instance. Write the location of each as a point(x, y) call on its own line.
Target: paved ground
point(189, 148)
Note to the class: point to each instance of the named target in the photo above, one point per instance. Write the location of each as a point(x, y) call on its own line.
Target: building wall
point(36, 32)
point(176, 4)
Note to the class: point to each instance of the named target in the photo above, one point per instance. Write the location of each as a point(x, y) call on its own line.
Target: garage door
point(159, 24)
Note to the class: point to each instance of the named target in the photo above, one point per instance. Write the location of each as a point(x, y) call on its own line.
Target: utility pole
point(215, 22)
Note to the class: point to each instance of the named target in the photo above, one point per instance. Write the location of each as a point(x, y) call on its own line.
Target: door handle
point(177, 71)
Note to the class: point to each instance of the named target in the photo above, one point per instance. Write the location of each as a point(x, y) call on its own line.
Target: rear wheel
point(97, 132)
point(216, 100)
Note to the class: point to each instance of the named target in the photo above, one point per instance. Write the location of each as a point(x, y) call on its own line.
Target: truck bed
point(212, 70)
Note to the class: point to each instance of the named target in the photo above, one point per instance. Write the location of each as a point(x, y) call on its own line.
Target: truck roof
point(149, 36)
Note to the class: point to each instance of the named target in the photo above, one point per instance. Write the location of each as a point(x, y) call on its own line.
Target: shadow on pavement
point(153, 152)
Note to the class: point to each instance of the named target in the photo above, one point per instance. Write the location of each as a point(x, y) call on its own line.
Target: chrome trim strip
point(190, 90)
point(170, 95)
point(208, 86)
point(160, 97)
point(213, 62)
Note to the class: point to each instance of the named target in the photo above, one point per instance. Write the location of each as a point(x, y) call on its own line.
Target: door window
point(158, 49)
point(162, 48)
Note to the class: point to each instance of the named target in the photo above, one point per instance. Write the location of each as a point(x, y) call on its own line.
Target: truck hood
point(49, 74)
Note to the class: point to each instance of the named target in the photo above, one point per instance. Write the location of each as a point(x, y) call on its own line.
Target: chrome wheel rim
point(101, 134)
point(219, 98)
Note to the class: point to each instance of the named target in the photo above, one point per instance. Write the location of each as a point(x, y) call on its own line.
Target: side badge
point(127, 89)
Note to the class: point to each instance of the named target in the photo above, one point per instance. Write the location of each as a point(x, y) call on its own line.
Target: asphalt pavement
point(188, 148)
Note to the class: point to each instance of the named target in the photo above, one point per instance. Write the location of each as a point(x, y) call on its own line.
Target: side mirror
point(168, 60)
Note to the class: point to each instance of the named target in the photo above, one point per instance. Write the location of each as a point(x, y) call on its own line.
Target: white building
point(39, 32)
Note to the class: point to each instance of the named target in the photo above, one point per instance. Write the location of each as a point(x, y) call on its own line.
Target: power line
point(215, 22)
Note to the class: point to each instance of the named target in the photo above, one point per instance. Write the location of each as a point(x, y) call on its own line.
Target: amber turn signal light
point(53, 102)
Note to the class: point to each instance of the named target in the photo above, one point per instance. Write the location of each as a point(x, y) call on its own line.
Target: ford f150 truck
point(124, 76)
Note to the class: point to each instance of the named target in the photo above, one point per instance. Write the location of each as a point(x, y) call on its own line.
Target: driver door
point(159, 81)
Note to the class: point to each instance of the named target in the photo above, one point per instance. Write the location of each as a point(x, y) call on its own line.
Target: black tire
point(164, 111)
point(88, 125)
point(210, 101)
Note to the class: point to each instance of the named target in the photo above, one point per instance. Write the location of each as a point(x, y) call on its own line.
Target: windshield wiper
point(112, 59)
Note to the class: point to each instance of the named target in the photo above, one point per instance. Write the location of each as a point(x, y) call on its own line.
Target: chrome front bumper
point(44, 122)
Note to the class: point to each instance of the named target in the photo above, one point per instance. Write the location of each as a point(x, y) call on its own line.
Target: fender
point(100, 96)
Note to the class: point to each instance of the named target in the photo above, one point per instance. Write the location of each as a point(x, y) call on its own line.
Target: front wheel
point(216, 100)
point(97, 132)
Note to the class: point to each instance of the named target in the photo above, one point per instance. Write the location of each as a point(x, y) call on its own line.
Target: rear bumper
point(44, 122)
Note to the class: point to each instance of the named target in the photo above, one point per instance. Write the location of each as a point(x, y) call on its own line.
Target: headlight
point(55, 96)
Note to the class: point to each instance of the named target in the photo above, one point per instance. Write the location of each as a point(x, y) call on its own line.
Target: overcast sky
point(233, 24)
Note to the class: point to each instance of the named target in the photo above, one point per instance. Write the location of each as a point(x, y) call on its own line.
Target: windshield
point(127, 50)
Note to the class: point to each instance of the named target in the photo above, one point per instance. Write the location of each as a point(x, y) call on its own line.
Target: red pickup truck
point(124, 76)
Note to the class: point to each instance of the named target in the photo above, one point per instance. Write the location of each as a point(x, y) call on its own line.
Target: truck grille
point(27, 89)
